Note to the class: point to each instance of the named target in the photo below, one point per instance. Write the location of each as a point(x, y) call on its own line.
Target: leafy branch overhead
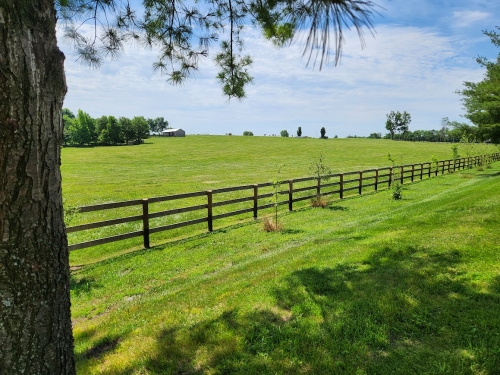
point(482, 99)
point(183, 32)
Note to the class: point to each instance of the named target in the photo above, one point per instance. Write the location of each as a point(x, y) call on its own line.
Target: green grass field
point(367, 285)
point(165, 166)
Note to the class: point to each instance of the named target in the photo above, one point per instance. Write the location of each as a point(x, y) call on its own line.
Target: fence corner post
point(290, 195)
point(145, 222)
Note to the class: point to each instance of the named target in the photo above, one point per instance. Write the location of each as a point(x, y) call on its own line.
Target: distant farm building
point(173, 133)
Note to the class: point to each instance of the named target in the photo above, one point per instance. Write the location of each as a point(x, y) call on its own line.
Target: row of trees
point(82, 129)
point(284, 133)
point(450, 131)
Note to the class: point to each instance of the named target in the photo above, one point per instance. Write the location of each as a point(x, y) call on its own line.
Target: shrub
point(396, 188)
point(284, 133)
point(247, 133)
point(321, 172)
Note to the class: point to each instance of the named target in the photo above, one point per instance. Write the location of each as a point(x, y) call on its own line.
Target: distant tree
point(157, 125)
point(68, 118)
point(101, 124)
point(161, 124)
point(482, 99)
point(323, 132)
point(375, 135)
point(460, 129)
point(152, 125)
point(82, 129)
point(67, 112)
point(126, 129)
point(299, 132)
point(247, 133)
point(443, 132)
point(111, 135)
point(140, 128)
point(397, 121)
point(284, 133)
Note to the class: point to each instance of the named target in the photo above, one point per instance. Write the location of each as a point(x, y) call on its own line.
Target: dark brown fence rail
point(340, 183)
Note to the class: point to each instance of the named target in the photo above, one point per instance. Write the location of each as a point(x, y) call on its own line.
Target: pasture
point(164, 166)
point(367, 285)
point(167, 166)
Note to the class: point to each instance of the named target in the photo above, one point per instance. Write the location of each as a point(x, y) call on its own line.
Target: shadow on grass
point(401, 311)
point(337, 208)
point(83, 285)
point(487, 175)
point(105, 345)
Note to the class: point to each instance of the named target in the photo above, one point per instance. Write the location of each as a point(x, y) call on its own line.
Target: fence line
point(343, 185)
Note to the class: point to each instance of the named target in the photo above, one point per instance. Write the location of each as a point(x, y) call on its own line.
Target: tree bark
point(35, 320)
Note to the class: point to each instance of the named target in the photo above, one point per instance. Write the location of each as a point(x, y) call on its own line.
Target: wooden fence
point(340, 184)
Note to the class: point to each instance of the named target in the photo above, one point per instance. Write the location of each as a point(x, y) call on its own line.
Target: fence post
point(376, 179)
point(290, 195)
point(318, 187)
point(401, 178)
point(442, 167)
point(255, 200)
point(341, 185)
point(412, 172)
point(360, 185)
point(390, 178)
point(421, 171)
point(209, 209)
point(429, 176)
point(145, 222)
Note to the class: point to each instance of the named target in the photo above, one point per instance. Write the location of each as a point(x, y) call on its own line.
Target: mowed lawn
point(165, 166)
point(367, 285)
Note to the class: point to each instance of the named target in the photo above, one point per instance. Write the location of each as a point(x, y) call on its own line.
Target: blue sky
point(421, 53)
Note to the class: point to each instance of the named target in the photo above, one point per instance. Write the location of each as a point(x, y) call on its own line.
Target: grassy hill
point(367, 285)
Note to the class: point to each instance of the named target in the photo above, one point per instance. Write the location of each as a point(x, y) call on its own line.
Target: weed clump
point(270, 225)
point(320, 201)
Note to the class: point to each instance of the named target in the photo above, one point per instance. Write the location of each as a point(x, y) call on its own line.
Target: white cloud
point(466, 18)
point(404, 68)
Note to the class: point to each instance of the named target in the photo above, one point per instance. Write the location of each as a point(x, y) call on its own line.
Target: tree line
point(450, 131)
point(82, 129)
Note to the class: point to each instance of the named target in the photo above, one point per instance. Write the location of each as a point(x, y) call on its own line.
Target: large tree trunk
point(35, 321)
